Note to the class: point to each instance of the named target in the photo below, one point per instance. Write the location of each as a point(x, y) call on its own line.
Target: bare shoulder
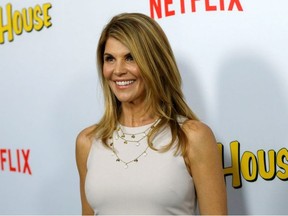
point(83, 145)
point(204, 163)
point(197, 131)
point(201, 139)
point(83, 137)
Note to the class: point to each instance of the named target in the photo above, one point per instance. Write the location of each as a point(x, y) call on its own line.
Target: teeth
point(123, 83)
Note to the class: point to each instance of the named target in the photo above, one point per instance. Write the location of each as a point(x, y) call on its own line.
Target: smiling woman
point(122, 73)
point(159, 147)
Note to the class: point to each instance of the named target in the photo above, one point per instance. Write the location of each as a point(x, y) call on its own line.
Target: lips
point(124, 83)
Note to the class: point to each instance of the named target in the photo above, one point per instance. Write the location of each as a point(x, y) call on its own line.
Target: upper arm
point(83, 145)
point(206, 168)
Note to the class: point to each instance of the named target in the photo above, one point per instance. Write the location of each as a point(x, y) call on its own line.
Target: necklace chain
point(120, 134)
point(134, 136)
point(135, 160)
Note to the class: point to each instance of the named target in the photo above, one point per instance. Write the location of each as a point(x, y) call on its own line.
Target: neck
point(134, 116)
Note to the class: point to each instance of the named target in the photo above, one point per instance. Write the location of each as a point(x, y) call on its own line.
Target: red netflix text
point(160, 8)
point(15, 160)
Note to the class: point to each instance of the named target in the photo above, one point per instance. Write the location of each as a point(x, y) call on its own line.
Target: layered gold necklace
point(134, 138)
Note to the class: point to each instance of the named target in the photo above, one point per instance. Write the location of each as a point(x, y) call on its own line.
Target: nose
point(120, 68)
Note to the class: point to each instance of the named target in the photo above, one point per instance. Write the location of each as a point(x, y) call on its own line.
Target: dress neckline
point(127, 129)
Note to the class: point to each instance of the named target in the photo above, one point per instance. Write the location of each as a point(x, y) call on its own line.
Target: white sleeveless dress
point(156, 184)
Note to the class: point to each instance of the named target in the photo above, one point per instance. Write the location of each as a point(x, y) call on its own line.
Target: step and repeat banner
point(233, 59)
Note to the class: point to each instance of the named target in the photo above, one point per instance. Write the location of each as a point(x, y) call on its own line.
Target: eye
point(129, 58)
point(108, 58)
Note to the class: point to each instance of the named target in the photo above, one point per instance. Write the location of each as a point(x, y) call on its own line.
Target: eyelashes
point(110, 58)
point(129, 57)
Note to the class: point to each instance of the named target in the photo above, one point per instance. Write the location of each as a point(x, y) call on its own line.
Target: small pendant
point(145, 154)
point(123, 135)
point(138, 144)
point(118, 160)
point(126, 166)
point(133, 136)
point(125, 142)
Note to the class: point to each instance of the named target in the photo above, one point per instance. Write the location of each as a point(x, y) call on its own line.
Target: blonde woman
point(149, 154)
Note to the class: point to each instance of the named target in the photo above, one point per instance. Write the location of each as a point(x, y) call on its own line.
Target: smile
point(124, 83)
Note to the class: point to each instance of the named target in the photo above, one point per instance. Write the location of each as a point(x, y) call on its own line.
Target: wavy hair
point(152, 52)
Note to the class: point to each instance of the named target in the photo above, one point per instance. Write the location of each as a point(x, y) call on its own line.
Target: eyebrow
point(109, 54)
point(105, 54)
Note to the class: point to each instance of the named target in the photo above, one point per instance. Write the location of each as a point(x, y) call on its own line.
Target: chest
point(157, 181)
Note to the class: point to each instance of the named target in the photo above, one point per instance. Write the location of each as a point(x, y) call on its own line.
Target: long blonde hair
point(152, 52)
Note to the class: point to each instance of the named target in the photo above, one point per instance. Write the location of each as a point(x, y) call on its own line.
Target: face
point(122, 73)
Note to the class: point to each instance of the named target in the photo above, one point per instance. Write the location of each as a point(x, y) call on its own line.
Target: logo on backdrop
point(163, 8)
point(15, 160)
point(28, 19)
point(268, 165)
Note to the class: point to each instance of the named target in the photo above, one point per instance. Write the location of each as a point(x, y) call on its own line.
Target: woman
point(149, 154)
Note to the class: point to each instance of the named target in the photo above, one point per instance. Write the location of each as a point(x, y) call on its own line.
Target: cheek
point(135, 71)
point(106, 72)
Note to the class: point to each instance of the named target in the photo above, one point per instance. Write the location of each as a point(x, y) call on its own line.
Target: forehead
point(114, 46)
